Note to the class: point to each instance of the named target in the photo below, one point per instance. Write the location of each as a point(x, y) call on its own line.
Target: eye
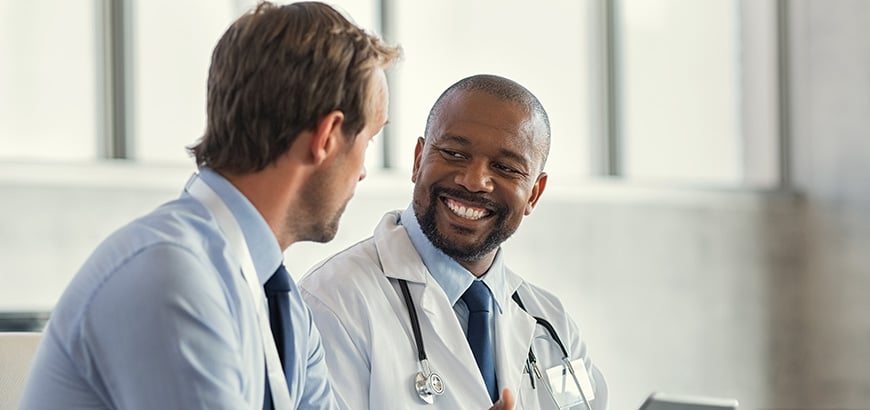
point(506, 169)
point(450, 154)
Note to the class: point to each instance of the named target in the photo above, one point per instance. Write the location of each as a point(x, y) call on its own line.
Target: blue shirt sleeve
point(161, 334)
point(318, 392)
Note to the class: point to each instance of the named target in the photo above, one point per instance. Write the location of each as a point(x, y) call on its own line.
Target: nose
point(475, 177)
point(362, 173)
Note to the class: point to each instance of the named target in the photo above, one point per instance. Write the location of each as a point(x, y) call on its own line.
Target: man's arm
point(160, 333)
point(319, 392)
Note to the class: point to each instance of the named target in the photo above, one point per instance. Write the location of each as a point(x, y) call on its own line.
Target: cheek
point(522, 200)
point(420, 196)
point(358, 159)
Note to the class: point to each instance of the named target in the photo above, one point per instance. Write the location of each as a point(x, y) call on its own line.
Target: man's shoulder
point(538, 291)
point(181, 220)
point(152, 243)
point(158, 253)
point(359, 256)
point(345, 273)
point(543, 303)
point(540, 299)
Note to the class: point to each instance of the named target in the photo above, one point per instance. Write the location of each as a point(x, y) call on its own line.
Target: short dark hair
point(275, 73)
point(504, 89)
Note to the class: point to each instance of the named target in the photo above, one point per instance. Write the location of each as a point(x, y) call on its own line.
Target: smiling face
point(477, 174)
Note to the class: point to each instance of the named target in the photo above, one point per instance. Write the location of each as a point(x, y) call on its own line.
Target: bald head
point(503, 89)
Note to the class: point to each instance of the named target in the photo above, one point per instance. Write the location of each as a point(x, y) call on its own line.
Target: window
point(543, 46)
point(48, 80)
point(171, 46)
point(662, 90)
point(686, 75)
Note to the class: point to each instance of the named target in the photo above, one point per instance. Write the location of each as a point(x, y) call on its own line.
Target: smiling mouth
point(466, 211)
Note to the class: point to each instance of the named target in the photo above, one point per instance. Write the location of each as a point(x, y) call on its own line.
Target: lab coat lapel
point(515, 331)
point(445, 342)
point(400, 260)
point(450, 347)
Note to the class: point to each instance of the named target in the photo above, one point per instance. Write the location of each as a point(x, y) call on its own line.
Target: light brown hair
point(275, 73)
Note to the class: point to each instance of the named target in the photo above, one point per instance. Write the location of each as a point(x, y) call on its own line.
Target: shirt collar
point(264, 248)
point(449, 274)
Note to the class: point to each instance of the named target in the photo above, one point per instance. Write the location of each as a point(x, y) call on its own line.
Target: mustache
point(480, 200)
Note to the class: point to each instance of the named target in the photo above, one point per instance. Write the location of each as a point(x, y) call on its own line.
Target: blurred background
point(706, 220)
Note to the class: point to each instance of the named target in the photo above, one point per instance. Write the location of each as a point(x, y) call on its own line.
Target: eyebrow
point(457, 139)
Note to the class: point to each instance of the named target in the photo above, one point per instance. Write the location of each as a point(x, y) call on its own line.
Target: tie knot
point(477, 297)
point(279, 282)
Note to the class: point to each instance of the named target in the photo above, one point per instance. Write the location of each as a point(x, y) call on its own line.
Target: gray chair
point(16, 353)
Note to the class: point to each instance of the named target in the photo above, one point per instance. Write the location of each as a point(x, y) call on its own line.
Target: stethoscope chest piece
point(428, 385)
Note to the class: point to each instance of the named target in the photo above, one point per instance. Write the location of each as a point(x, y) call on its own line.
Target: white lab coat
point(367, 335)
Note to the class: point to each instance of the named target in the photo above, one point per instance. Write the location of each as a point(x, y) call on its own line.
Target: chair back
point(16, 353)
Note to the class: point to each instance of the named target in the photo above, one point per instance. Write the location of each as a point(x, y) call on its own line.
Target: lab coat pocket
point(531, 397)
point(568, 387)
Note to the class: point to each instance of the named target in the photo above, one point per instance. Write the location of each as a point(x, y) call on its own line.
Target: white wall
point(831, 77)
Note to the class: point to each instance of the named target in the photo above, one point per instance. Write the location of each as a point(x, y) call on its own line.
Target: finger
point(506, 402)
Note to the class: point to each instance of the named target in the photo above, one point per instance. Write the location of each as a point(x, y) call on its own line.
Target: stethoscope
point(429, 384)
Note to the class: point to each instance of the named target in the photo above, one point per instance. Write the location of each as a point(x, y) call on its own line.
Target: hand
point(506, 402)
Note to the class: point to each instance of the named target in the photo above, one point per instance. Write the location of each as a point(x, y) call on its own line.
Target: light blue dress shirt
point(453, 277)
point(159, 317)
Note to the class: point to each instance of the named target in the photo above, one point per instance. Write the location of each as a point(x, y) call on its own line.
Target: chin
point(320, 233)
point(328, 233)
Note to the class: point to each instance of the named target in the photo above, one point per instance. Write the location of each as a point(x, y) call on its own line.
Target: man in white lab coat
point(394, 310)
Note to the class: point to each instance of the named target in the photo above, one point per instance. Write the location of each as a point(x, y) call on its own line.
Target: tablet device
point(663, 401)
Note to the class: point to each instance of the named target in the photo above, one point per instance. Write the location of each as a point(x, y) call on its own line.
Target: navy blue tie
point(277, 290)
point(479, 302)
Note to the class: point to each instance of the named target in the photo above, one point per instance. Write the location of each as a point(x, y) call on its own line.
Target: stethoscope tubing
point(531, 362)
point(418, 337)
point(415, 322)
point(545, 324)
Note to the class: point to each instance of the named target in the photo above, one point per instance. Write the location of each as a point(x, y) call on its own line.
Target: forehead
point(378, 95)
point(482, 117)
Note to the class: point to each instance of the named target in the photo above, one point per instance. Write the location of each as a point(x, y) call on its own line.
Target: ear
point(537, 190)
point(418, 154)
point(327, 137)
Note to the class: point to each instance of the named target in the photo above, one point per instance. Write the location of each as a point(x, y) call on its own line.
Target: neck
point(271, 199)
point(478, 267)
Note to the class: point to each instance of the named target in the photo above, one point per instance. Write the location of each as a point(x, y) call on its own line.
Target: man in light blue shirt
point(160, 316)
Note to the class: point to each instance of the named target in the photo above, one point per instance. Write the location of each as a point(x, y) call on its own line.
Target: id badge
point(566, 387)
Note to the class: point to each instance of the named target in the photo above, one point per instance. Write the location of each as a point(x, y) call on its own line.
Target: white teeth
point(465, 212)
